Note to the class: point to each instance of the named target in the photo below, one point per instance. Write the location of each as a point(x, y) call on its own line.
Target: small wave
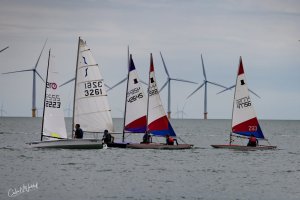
point(69, 163)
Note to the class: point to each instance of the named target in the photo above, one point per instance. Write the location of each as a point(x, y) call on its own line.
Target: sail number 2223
point(93, 88)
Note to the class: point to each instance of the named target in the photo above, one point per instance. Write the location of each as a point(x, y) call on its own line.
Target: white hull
point(69, 144)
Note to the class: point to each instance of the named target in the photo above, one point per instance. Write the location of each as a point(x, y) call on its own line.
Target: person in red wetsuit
point(253, 142)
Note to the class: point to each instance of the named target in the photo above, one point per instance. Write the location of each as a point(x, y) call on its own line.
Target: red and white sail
point(158, 123)
point(244, 120)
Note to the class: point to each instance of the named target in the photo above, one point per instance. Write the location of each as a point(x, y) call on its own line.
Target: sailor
point(107, 137)
point(253, 142)
point(147, 138)
point(169, 140)
point(78, 132)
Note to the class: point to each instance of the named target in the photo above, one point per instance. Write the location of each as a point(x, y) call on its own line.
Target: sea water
point(199, 173)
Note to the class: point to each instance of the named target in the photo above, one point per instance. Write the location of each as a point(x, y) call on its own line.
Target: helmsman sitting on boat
point(146, 138)
point(170, 140)
point(107, 137)
point(78, 132)
point(253, 142)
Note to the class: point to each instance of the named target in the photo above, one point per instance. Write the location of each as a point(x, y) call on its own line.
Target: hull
point(117, 145)
point(159, 146)
point(243, 148)
point(69, 144)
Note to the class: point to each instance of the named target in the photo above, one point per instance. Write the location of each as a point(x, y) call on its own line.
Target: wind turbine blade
point(254, 93)
point(204, 74)
point(182, 80)
point(117, 84)
point(108, 87)
point(164, 64)
point(216, 84)
point(37, 62)
point(25, 70)
point(39, 76)
point(4, 49)
point(226, 89)
point(65, 83)
point(143, 82)
point(163, 86)
point(196, 90)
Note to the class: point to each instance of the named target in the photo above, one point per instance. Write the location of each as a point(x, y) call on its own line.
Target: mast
point(236, 82)
point(151, 63)
point(75, 86)
point(45, 95)
point(128, 62)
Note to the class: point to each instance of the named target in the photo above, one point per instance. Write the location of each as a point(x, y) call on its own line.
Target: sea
point(130, 174)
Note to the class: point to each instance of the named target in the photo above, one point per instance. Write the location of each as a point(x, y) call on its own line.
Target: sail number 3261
point(93, 88)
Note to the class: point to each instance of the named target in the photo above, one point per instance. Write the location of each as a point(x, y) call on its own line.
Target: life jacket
point(252, 140)
point(170, 141)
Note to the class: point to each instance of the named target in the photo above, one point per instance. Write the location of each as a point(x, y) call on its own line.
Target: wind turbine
point(4, 49)
point(168, 82)
point(34, 71)
point(125, 79)
point(229, 88)
point(2, 110)
point(205, 82)
point(68, 110)
point(181, 112)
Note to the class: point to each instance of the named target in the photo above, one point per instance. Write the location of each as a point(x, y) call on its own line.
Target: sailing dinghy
point(135, 120)
point(90, 109)
point(54, 134)
point(157, 121)
point(244, 120)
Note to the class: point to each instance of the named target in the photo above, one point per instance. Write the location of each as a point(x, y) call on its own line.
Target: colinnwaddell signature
point(13, 192)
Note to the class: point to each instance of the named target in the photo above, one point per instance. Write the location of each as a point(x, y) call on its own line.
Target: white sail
point(91, 108)
point(136, 104)
point(244, 120)
point(54, 126)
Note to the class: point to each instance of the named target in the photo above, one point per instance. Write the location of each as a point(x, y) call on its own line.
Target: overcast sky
point(265, 33)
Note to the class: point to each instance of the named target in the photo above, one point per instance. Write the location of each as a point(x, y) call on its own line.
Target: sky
point(265, 33)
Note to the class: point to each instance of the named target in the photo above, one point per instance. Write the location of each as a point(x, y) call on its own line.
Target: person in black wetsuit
point(78, 132)
point(107, 137)
point(146, 138)
point(253, 142)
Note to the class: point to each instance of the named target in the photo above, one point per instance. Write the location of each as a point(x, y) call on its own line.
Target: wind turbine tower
point(168, 82)
point(205, 82)
point(35, 72)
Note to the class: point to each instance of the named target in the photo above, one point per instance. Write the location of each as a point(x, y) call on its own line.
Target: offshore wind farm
point(231, 142)
point(221, 44)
